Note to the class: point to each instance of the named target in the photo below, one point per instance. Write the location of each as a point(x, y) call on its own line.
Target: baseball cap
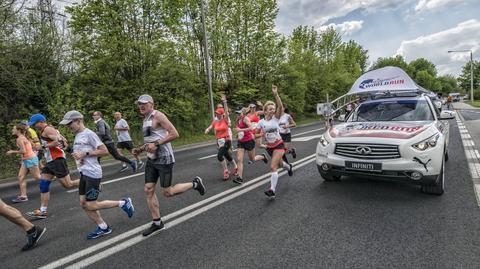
point(219, 111)
point(36, 118)
point(144, 99)
point(70, 116)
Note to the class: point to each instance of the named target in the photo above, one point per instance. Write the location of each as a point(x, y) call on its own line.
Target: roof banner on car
point(384, 79)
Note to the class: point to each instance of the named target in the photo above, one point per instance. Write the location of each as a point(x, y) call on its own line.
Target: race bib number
point(240, 135)
point(271, 137)
point(254, 125)
point(221, 142)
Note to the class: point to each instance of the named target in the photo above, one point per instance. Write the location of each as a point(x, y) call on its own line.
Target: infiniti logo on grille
point(363, 150)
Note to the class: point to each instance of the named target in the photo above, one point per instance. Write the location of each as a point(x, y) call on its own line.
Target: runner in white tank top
point(270, 129)
point(158, 132)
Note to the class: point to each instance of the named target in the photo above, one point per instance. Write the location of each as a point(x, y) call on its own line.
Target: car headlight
point(323, 141)
point(430, 142)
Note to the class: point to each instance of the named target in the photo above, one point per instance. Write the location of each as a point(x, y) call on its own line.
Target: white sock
point(286, 165)
point(274, 181)
point(121, 203)
point(157, 222)
point(43, 209)
point(103, 226)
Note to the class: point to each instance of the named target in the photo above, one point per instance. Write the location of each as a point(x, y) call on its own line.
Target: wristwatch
point(156, 143)
point(87, 153)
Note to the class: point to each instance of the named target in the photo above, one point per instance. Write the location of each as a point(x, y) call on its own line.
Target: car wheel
point(438, 187)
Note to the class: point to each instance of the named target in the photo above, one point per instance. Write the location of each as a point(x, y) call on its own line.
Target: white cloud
point(345, 28)
point(293, 13)
point(435, 47)
point(429, 5)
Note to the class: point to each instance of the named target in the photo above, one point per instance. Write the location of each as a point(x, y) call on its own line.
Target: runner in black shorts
point(34, 233)
point(164, 172)
point(87, 148)
point(246, 142)
point(158, 131)
point(52, 143)
point(124, 141)
point(286, 122)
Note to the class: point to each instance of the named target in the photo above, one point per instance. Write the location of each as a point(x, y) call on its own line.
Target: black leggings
point(225, 152)
point(113, 151)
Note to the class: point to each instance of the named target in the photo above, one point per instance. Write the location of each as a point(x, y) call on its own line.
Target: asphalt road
point(355, 223)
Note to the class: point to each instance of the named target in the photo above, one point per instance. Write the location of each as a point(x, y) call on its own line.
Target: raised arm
point(225, 107)
point(279, 111)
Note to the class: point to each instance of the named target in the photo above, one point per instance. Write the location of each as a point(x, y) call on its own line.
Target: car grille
point(367, 151)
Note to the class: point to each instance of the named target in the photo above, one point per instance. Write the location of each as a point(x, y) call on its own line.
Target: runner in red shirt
point(221, 125)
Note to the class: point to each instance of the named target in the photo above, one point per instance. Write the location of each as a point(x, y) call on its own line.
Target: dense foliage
point(110, 52)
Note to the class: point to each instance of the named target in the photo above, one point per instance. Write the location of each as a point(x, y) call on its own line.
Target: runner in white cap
point(87, 148)
point(158, 132)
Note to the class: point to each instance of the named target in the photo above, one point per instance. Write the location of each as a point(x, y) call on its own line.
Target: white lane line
point(473, 159)
point(139, 238)
point(307, 132)
point(210, 156)
point(305, 138)
point(120, 237)
point(113, 180)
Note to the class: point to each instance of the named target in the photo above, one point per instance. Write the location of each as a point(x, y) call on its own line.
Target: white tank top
point(164, 153)
point(270, 130)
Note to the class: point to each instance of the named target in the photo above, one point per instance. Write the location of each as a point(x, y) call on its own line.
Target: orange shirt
point(221, 129)
point(28, 154)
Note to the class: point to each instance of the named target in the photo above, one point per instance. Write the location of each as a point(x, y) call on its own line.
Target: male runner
point(87, 147)
point(124, 141)
point(158, 132)
point(52, 143)
point(104, 133)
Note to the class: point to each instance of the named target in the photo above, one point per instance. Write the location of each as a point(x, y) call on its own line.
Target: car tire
point(438, 187)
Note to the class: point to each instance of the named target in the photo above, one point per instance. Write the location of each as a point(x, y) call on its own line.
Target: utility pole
point(207, 58)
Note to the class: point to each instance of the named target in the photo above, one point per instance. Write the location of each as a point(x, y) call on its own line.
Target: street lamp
point(207, 57)
point(471, 69)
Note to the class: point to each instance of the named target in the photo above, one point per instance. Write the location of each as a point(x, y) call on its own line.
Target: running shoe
point(265, 160)
point(153, 228)
point(20, 199)
point(128, 206)
point(290, 170)
point(293, 152)
point(141, 165)
point(270, 193)
point(235, 171)
point(198, 185)
point(37, 213)
point(226, 175)
point(124, 168)
point(99, 232)
point(238, 180)
point(33, 238)
point(134, 166)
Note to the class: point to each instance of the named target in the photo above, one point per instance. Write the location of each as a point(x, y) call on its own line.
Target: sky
point(411, 28)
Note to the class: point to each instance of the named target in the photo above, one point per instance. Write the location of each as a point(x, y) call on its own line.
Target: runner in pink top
point(29, 160)
point(246, 142)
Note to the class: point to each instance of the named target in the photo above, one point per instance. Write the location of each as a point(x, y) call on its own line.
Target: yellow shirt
point(34, 136)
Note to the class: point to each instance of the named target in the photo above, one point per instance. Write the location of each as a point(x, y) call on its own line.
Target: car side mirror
point(447, 114)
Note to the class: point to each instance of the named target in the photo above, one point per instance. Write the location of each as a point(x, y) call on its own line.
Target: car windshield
point(393, 110)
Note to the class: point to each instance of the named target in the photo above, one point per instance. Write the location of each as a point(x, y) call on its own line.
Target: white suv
point(398, 136)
